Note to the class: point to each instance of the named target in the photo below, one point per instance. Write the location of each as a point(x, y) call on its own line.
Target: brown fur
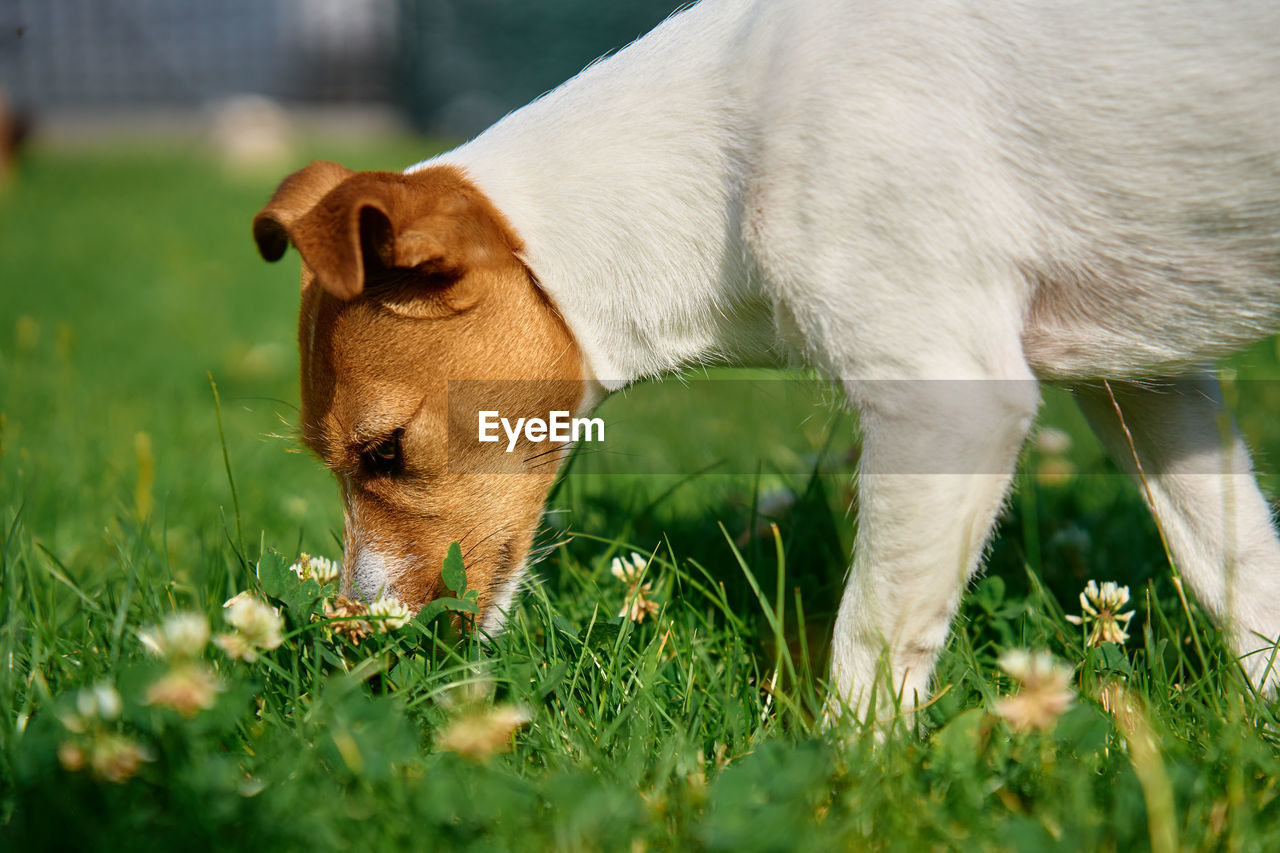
point(410, 282)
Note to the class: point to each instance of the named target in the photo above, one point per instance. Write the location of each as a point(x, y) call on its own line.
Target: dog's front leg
point(936, 463)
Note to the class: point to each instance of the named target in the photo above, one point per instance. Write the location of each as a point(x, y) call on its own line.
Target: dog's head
point(411, 283)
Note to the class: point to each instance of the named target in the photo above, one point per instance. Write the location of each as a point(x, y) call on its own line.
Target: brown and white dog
point(939, 203)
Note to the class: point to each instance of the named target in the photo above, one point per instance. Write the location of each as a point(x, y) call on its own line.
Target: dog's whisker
point(495, 532)
point(464, 536)
point(558, 447)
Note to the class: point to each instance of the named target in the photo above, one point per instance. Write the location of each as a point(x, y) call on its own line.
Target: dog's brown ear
point(346, 230)
point(296, 195)
point(433, 223)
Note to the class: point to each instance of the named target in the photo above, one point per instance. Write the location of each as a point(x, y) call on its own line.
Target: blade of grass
point(226, 461)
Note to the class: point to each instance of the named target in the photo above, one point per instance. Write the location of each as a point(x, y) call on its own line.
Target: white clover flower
point(1054, 469)
point(86, 704)
point(389, 614)
point(628, 572)
point(71, 757)
point(325, 570)
point(188, 689)
point(480, 733)
point(1044, 694)
point(321, 569)
point(1051, 441)
point(257, 625)
point(109, 704)
point(638, 604)
point(101, 701)
point(346, 611)
point(116, 758)
point(258, 621)
point(1100, 612)
point(181, 635)
point(237, 647)
point(110, 756)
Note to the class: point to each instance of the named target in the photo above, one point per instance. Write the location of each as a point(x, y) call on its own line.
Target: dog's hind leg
point(937, 459)
point(1199, 483)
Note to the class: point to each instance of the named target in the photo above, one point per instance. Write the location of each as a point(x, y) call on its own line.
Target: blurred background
point(448, 67)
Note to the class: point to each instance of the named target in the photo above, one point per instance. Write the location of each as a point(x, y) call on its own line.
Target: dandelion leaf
point(601, 635)
point(958, 746)
point(1110, 658)
point(553, 679)
point(454, 574)
point(274, 577)
point(301, 598)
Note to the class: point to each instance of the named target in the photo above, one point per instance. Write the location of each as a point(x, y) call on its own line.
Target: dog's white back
point(902, 192)
point(1115, 166)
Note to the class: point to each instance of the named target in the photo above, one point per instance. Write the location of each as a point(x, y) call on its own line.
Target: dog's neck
point(626, 186)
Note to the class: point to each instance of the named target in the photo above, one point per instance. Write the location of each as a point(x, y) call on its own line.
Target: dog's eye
point(384, 457)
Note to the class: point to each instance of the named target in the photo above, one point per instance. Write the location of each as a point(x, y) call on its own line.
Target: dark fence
point(59, 53)
point(454, 65)
point(464, 63)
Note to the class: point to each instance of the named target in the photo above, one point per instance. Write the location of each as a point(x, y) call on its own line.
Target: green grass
point(129, 277)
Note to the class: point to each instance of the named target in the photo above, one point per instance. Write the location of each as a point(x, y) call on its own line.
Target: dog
point(939, 203)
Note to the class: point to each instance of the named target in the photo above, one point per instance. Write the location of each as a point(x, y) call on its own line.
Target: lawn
point(130, 491)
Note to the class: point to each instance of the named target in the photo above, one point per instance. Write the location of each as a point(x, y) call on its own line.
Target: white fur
point(495, 617)
point(900, 192)
point(372, 573)
point(371, 576)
